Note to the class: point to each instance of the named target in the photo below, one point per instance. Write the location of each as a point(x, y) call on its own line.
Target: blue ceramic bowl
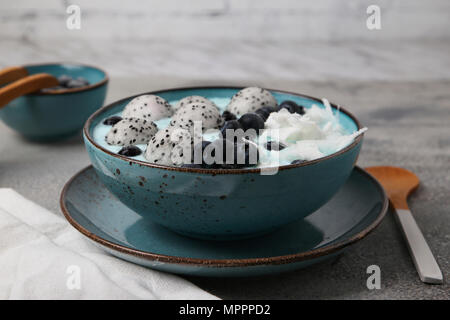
point(57, 114)
point(216, 203)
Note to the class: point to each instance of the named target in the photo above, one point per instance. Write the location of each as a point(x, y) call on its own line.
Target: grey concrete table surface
point(409, 126)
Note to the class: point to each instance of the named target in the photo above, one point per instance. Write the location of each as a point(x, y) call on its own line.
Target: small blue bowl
point(57, 114)
point(222, 204)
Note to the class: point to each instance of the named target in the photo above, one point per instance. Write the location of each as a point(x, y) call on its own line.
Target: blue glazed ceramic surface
point(354, 211)
point(56, 115)
point(222, 204)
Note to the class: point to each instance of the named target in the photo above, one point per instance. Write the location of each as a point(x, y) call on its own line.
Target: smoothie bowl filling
point(250, 129)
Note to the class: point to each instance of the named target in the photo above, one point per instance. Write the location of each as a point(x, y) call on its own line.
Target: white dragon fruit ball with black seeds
point(250, 99)
point(159, 147)
point(131, 131)
point(206, 112)
point(171, 146)
point(192, 100)
point(148, 107)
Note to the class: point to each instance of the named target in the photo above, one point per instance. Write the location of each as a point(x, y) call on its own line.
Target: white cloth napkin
point(43, 257)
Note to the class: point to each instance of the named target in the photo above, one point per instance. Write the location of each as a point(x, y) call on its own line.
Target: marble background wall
point(234, 39)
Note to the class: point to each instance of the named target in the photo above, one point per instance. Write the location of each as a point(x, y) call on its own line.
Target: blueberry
point(64, 79)
point(230, 125)
point(273, 145)
point(264, 112)
point(298, 161)
point(251, 121)
point(130, 151)
point(112, 120)
point(227, 116)
point(292, 107)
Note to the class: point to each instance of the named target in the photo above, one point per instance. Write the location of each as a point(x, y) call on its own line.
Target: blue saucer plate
point(357, 208)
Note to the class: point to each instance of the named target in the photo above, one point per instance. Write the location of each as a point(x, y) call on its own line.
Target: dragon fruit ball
point(206, 112)
point(170, 146)
point(249, 100)
point(130, 131)
point(192, 100)
point(148, 107)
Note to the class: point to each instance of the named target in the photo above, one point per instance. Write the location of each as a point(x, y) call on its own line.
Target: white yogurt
point(313, 135)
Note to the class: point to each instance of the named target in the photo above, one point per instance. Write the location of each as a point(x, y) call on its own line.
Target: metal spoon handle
point(423, 258)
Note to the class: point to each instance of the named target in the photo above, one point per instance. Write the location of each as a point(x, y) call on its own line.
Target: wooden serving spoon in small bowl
point(56, 113)
point(399, 183)
point(19, 83)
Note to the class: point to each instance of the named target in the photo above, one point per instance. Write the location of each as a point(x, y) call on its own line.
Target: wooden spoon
point(11, 74)
point(399, 183)
point(20, 83)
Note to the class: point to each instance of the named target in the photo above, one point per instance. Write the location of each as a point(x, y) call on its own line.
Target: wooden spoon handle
point(426, 265)
point(11, 74)
point(26, 85)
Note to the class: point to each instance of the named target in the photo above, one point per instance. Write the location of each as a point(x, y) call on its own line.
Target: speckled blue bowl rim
point(219, 263)
point(69, 90)
point(216, 171)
